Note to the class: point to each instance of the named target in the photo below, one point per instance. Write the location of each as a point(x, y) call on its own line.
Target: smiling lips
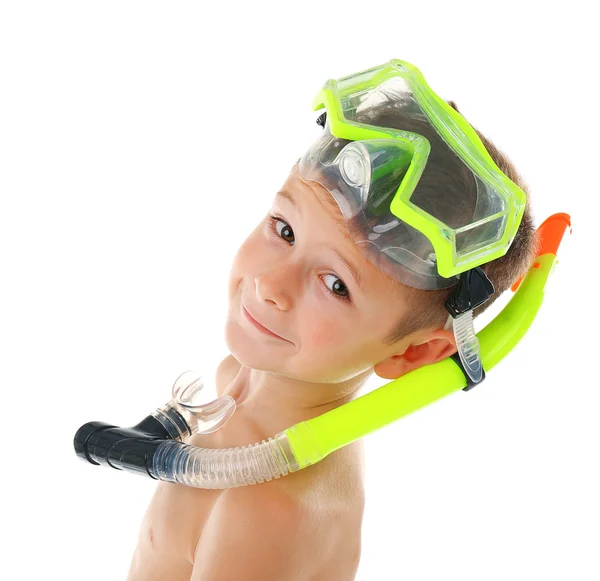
point(258, 325)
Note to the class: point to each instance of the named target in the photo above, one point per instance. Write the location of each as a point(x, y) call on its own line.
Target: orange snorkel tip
point(549, 234)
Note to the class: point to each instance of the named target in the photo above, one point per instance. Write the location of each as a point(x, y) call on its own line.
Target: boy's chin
point(251, 351)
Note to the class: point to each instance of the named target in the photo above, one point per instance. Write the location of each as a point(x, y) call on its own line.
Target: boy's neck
point(278, 402)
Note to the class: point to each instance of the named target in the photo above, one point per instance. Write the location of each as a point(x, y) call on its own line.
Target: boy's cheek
point(323, 334)
point(251, 254)
point(242, 264)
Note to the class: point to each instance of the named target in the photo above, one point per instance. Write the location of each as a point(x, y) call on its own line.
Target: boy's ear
point(437, 345)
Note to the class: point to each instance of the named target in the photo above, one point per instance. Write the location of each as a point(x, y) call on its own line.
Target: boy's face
point(288, 275)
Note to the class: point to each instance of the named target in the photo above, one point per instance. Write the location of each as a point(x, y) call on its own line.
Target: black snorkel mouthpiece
point(130, 449)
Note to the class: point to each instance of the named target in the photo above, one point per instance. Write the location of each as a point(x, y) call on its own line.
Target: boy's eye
point(284, 231)
point(338, 287)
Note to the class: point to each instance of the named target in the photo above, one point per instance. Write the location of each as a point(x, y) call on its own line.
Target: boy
point(309, 320)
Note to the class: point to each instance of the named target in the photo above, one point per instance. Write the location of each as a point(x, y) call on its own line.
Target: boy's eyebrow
point(351, 268)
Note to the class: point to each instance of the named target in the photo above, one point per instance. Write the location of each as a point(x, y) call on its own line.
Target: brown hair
point(445, 174)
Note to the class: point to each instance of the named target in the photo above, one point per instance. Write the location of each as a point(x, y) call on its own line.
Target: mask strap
point(473, 289)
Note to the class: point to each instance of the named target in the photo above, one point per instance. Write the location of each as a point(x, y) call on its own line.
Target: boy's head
point(300, 274)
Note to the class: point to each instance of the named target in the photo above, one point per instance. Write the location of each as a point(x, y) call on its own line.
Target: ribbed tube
point(227, 467)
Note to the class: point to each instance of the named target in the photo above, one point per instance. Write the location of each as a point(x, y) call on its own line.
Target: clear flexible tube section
point(175, 461)
point(225, 468)
point(309, 442)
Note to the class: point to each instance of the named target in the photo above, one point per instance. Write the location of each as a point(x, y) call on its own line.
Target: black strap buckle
point(473, 289)
point(321, 119)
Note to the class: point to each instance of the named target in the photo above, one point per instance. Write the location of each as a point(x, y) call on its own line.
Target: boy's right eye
point(286, 230)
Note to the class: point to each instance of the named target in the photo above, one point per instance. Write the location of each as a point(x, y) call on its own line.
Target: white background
point(140, 142)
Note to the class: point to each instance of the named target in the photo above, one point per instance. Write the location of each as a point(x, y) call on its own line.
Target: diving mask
point(378, 177)
point(373, 173)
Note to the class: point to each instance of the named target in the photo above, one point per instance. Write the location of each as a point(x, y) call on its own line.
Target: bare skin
point(323, 340)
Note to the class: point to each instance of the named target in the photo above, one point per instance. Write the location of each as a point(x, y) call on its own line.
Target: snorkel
point(156, 446)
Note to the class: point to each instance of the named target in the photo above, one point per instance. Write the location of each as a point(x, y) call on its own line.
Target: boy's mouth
point(258, 325)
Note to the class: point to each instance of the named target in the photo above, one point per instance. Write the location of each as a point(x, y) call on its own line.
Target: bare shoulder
point(268, 499)
point(336, 483)
point(329, 502)
point(271, 528)
point(251, 534)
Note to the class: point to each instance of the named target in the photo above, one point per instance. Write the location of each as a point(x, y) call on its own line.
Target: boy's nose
point(278, 285)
